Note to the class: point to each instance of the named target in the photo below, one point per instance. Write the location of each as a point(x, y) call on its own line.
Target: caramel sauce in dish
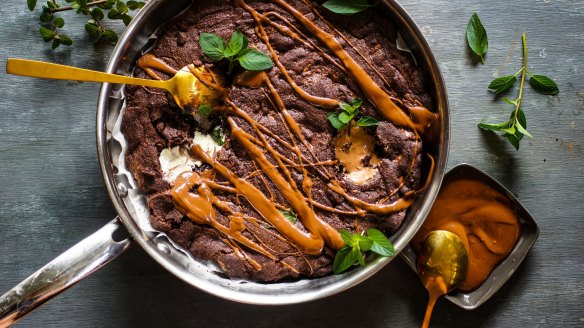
point(482, 217)
point(194, 194)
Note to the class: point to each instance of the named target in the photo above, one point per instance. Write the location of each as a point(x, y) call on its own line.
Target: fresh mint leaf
point(59, 22)
point(212, 45)
point(133, 5)
point(346, 7)
point(45, 16)
point(236, 51)
point(522, 130)
point(93, 30)
point(521, 119)
point(544, 85)
point(56, 42)
point(290, 216)
point(352, 106)
point(494, 127)
point(108, 36)
point(345, 117)
point(31, 4)
point(514, 139)
point(365, 243)
point(476, 36)
point(66, 40)
point(348, 112)
point(237, 43)
point(509, 101)
point(356, 245)
point(114, 14)
point(333, 117)
point(121, 7)
point(346, 237)
point(127, 19)
point(381, 245)
point(367, 121)
point(345, 258)
point(47, 34)
point(502, 84)
point(254, 60)
point(97, 14)
point(359, 255)
point(204, 110)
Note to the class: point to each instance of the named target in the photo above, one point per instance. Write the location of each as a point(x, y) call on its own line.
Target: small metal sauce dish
point(505, 269)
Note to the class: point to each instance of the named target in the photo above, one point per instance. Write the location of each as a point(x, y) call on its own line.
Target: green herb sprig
point(346, 7)
point(516, 127)
point(52, 24)
point(476, 36)
point(236, 51)
point(356, 245)
point(348, 112)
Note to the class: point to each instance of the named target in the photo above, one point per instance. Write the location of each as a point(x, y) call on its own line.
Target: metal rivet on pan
point(164, 248)
point(122, 190)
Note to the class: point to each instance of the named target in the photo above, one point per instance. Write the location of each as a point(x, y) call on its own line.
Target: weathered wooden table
point(52, 195)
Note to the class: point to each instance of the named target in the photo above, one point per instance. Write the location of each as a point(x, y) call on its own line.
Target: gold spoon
point(442, 263)
point(186, 88)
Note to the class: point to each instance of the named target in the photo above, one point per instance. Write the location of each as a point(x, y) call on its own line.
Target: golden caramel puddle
point(353, 149)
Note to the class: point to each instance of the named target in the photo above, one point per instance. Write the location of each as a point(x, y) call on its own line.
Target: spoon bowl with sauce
point(189, 86)
point(442, 264)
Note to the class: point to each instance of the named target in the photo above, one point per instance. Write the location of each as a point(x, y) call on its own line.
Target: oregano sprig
point(356, 245)
point(236, 51)
point(95, 10)
point(349, 110)
point(516, 127)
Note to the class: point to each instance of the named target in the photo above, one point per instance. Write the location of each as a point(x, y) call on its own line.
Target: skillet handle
point(63, 272)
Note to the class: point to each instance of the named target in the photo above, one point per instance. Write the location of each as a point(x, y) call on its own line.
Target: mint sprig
point(349, 110)
point(356, 245)
point(236, 51)
point(516, 127)
point(346, 7)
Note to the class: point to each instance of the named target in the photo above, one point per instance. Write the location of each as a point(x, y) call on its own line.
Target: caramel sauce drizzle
point(193, 195)
point(258, 18)
point(333, 29)
point(198, 207)
point(148, 63)
point(379, 98)
point(295, 33)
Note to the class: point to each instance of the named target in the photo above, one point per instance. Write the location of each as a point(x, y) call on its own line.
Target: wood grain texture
point(52, 195)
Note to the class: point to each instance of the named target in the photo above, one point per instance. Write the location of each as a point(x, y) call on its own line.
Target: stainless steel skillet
point(100, 248)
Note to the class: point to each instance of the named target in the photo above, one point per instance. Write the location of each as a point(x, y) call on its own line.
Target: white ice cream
point(176, 160)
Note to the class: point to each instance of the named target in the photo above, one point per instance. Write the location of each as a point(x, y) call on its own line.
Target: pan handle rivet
point(122, 190)
point(163, 248)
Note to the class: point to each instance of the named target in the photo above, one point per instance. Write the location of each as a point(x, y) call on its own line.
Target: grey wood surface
point(52, 195)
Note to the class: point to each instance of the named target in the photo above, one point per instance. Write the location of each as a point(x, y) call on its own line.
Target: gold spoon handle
point(39, 69)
